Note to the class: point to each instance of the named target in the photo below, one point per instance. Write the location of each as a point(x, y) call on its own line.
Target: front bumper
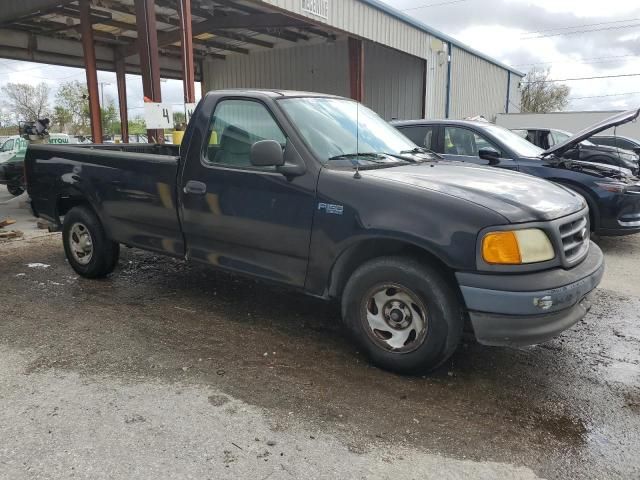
point(527, 309)
point(619, 215)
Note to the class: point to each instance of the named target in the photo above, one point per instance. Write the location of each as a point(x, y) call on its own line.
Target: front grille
point(575, 236)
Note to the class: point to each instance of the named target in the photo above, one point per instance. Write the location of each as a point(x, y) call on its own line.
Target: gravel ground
point(169, 370)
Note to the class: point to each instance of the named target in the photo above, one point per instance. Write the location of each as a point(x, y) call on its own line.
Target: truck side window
point(420, 135)
point(235, 126)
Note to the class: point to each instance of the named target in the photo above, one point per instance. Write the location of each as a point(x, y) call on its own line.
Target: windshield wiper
point(344, 156)
point(422, 150)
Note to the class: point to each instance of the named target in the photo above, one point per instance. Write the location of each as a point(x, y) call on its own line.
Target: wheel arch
point(368, 249)
point(72, 197)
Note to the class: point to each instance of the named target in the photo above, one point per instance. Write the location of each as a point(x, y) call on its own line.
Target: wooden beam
point(242, 38)
point(206, 14)
point(13, 10)
point(356, 69)
point(91, 69)
point(285, 34)
point(220, 45)
point(147, 44)
point(240, 21)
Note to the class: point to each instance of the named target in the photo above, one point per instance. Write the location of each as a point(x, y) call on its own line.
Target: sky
point(574, 38)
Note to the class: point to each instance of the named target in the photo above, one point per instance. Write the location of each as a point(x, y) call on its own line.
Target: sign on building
point(158, 115)
point(319, 8)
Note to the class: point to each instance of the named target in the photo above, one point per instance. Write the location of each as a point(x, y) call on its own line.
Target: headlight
point(620, 187)
point(515, 247)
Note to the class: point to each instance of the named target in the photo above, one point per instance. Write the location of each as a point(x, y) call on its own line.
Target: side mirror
point(267, 153)
point(493, 156)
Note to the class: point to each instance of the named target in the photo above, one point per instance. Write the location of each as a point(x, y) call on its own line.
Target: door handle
point(194, 187)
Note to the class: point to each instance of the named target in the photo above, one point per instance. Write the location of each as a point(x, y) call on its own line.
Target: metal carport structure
point(153, 38)
point(358, 48)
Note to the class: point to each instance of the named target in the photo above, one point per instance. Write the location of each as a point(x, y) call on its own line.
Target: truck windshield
point(338, 128)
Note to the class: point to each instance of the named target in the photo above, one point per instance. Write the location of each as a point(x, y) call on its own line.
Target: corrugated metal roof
point(436, 33)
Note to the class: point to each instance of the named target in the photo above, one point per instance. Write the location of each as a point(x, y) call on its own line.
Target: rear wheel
point(88, 249)
point(15, 190)
point(404, 314)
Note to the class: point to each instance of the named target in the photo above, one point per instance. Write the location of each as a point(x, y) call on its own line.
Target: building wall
point(304, 67)
point(394, 81)
point(477, 87)
point(363, 20)
point(515, 93)
point(570, 121)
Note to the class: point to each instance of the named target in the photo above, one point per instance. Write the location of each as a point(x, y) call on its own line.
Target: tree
point(110, 118)
point(179, 118)
point(540, 95)
point(26, 102)
point(137, 126)
point(61, 120)
point(72, 104)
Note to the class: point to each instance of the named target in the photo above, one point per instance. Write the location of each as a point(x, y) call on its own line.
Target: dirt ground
point(169, 370)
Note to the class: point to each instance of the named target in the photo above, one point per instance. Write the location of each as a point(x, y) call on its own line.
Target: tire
point(15, 190)
point(88, 249)
point(405, 295)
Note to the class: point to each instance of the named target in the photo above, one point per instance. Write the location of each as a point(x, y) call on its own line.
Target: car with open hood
point(619, 142)
point(612, 192)
point(586, 150)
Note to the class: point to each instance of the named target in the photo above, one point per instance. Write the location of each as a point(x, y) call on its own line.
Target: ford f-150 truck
point(318, 193)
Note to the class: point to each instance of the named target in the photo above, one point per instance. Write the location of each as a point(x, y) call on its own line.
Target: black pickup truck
point(318, 193)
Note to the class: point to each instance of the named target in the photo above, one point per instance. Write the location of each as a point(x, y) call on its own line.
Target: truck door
point(240, 217)
point(466, 145)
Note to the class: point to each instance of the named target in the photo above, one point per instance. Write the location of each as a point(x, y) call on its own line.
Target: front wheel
point(404, 314)
point(88, 249)
point(15, 190)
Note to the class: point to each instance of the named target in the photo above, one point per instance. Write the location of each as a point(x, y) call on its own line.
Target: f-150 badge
point(331, 208)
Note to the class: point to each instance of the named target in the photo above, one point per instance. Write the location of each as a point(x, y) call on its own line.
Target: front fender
point(352, 211)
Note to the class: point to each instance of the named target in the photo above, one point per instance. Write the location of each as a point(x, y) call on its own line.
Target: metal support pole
point(149, 57)
point(121, 80)
point(203, 87)
point(356, 69)
point(188, 69)
point(91, 70)
point(506, 108)
point(447, 107)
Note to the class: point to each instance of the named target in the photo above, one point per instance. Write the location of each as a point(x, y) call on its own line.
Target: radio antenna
point(356, 160)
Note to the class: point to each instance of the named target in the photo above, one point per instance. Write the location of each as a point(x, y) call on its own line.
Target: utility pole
point(102, 84)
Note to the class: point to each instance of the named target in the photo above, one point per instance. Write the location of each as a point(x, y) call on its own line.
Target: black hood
point(568, 144)
point(518, 197)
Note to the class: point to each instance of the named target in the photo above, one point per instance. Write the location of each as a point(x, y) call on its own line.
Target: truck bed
point(132, 185)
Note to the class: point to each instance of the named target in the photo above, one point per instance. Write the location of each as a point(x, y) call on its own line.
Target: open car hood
point(569, 143)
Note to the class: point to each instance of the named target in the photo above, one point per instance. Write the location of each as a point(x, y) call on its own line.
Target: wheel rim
point(395, 318)
point(80, 243)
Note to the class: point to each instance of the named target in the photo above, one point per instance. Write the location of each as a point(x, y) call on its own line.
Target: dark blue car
point(612, 193)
